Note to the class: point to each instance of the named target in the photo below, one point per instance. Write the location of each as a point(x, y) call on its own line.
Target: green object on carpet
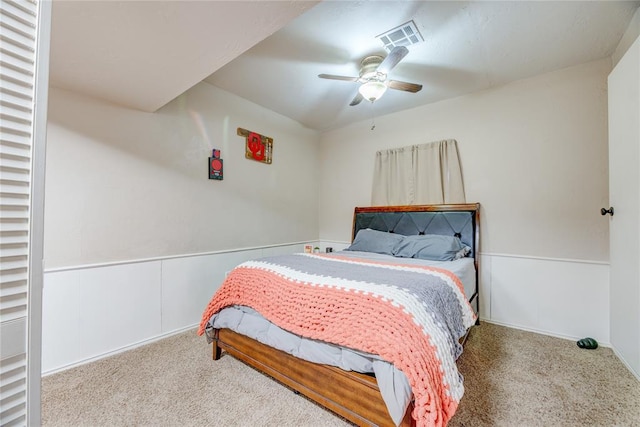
point(588, 343)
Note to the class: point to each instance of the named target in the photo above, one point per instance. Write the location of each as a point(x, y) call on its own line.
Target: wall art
point(258, 147)
point(215, 165)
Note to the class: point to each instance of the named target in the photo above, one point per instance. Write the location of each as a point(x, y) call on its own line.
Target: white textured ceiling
point(469, 46)
point(143, 54)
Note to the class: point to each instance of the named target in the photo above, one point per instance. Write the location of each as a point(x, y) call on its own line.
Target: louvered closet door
point(24, 41)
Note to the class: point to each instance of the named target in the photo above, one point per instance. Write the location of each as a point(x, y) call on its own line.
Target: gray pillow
point(381, 242)
point(433, 247)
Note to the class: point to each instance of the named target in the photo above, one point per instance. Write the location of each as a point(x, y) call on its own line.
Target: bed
point(365, 378)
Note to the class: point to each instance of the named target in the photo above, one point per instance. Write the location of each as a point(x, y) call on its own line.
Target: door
point(24, 41)
point(624, 197)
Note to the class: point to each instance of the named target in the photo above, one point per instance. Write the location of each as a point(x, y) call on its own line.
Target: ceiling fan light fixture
point(372, 90)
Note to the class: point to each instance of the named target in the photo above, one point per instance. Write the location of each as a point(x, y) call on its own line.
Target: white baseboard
point(542, 332)
point(119, 350)
point(625, 363)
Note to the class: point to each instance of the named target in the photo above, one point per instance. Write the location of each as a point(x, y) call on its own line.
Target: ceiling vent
point(403, 35)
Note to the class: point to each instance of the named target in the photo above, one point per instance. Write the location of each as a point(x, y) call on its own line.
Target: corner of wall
point(630, 35)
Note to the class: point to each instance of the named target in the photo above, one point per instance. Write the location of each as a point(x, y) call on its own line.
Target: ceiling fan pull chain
point(373, 123)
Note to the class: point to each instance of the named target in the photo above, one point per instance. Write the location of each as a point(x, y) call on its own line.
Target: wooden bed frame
point(354, 396)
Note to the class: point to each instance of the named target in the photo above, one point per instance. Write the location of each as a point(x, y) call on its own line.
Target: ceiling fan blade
point(357, 100)
point(407, 87)
point(334, 77)
point(392, 59)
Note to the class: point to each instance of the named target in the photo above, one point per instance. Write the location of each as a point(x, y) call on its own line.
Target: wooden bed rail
point(352, 395)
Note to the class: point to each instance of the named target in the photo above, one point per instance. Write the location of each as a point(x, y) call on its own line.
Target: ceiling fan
point(373, 76)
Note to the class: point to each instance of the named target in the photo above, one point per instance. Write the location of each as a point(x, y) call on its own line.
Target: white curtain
point(418, 174)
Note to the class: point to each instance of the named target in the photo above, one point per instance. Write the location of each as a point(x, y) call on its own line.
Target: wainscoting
point(563, 298)
point(90, 312)
point(560, 297)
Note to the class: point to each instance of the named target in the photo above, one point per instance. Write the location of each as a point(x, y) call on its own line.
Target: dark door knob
point(609, 211)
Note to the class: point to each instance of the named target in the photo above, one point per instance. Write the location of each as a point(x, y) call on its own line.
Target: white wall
point(137, 238)
point(124, 184)
point(534, 154)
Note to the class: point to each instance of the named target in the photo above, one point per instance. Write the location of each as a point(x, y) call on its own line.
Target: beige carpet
point(512, 378)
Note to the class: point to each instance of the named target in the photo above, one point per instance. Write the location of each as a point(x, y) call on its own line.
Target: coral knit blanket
point(411, 316)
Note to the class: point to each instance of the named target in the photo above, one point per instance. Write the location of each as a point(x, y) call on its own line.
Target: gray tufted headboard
point(462, 220)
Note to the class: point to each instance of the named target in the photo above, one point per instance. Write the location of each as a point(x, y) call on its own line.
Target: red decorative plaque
point(258, 147)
